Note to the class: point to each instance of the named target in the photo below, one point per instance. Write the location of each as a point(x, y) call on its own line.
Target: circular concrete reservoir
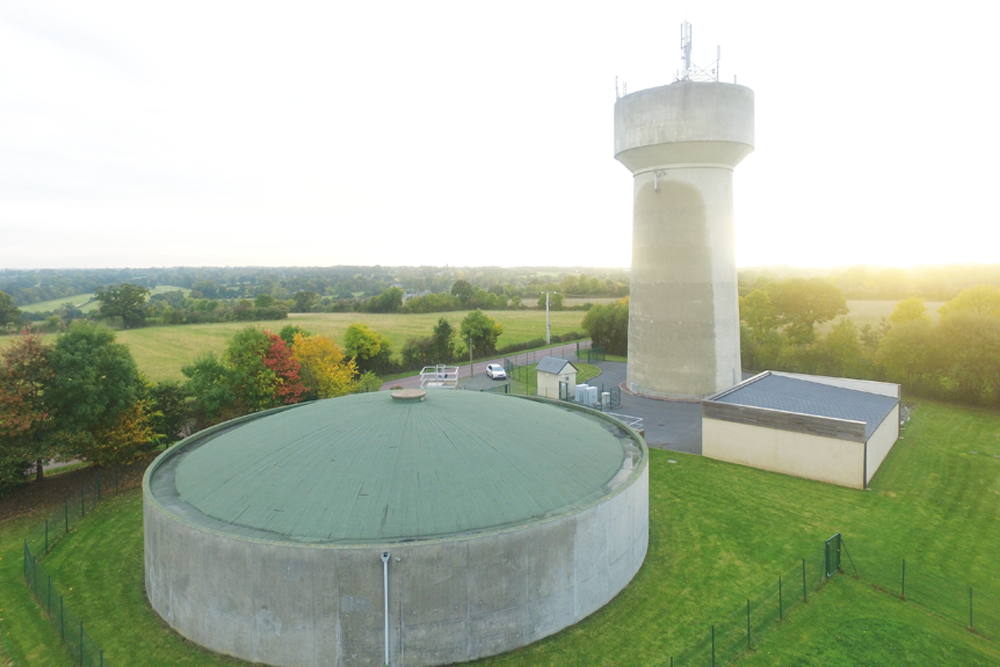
point(368, 530)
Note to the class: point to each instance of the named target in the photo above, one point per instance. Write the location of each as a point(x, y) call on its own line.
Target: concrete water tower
point(681, 143)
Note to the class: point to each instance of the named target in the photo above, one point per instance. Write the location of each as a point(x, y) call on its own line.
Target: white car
point(496, 371)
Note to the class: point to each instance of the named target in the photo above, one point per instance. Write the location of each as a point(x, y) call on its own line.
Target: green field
point(718, 534)
point(84, 302)
point(160, 352)
point(871, 312)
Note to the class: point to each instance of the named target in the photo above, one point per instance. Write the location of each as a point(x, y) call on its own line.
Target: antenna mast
point(690, 72)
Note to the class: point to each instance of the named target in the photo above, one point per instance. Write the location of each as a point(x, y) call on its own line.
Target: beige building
point(833, 430)
point(551, 371)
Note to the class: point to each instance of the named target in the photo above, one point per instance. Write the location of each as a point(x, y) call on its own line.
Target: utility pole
point(548, 326)
point(472, 370)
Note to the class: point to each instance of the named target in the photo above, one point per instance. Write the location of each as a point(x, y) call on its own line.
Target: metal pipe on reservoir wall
point(385, 587)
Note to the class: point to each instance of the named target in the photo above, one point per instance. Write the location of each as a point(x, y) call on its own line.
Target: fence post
point(781, 615)
point(902, 590)
point(804, 596)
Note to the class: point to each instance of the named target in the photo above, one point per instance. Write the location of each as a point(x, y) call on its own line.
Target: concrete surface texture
point(681, 143)
point(243, 588)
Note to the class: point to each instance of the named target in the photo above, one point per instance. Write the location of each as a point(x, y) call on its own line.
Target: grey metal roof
point(366, 468)
point(552, 365)
point(780, 392)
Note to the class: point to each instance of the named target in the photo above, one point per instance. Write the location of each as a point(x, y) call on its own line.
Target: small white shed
point(834, 430)
point(550, 372)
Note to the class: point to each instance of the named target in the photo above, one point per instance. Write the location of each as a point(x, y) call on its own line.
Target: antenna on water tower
point(689, 72)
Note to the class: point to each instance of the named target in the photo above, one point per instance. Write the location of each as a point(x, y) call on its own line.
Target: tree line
point(956, 357)
point(82, 397)
point(338, 287)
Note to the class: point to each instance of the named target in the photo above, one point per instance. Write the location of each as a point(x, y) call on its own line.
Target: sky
point(212, 133)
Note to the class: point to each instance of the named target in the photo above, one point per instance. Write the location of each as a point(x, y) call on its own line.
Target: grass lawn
point(854, 624)
point(718, 534)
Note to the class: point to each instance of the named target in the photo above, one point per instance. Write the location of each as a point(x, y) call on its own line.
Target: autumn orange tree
point(25, 422)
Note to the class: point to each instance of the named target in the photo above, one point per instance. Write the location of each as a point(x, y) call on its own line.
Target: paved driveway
point(673, 425)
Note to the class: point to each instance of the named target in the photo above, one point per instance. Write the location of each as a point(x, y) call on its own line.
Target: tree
point(304, 301)
point(280, 361)
point(389, 301)
point(908, 354)
point(170, 414)
point(370, 350)
point(463, 291)
point(289, 331)
point(9, 313)
point(979, 300)
point(262, 370)
point(94, 383)
point(125, 301)
point(969, 343)
point(839, 353)
point(481, 331)
point(257, 372)
point(264, 301)
point(909, 310)
point(366, 382)
point(442, 343)
point(607, 326)
point(324, 368)
point(761, 344)
point(800, 304)
point(124, 439)
point(438, 348)
point(25, 423)
point(211, 385)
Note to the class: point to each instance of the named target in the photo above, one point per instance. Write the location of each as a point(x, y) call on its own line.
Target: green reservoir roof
point(367, 468)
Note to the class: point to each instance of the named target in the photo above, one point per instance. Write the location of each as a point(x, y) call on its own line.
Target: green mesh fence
point(977, 609)
point(71, 629)
point(740, 630)
point(41, 541)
